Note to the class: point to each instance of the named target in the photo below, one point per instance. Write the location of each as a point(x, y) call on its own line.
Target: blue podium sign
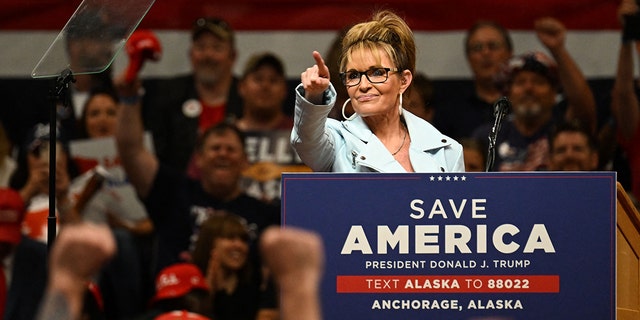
point(538, 245)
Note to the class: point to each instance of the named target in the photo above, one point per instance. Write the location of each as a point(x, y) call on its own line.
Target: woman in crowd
point(31, 178)
point(117, 202)
point(239, 289)
point(126, 280)
point(377, 62)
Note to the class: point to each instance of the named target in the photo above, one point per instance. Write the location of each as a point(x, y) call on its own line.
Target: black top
point(174, 131)
point(459, 113)
point(177, 205)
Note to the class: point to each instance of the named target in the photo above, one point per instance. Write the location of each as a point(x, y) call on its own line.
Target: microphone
point(500, 109)
point(501, 106)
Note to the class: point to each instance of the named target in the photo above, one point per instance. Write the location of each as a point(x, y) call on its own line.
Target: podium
point(452, 246)
point(628, 257)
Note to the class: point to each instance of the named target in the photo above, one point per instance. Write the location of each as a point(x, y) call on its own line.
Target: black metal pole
point(59, 94)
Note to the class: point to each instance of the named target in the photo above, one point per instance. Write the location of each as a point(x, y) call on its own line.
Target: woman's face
point(232, 252)
point(101, 116)
point(374, 99)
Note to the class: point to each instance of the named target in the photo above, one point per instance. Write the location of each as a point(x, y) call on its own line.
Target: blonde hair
point(386, 31)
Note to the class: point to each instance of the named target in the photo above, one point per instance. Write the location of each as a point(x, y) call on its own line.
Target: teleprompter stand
point(88, 44)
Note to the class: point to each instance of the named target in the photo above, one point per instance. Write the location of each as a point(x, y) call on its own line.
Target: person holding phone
point(377, 64)
point(31, 178)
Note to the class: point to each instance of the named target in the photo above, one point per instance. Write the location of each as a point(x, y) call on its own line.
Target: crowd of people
point(151, 174)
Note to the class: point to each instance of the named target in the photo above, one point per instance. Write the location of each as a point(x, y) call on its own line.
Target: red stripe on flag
point(449, 284)
point(425, 15)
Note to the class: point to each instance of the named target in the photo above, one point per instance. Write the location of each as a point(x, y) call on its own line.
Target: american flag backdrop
point(293, 28)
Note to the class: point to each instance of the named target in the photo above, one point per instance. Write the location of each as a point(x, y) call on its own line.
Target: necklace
point(401, 145)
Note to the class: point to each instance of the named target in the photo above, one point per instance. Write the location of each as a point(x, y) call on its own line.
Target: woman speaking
point(377, 62)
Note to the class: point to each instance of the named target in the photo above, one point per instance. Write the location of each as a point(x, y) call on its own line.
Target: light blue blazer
point(328, 145)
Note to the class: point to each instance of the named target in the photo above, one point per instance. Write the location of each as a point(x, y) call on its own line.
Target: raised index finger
point(322, 68)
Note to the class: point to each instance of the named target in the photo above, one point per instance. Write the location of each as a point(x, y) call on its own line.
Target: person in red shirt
point(177, 110)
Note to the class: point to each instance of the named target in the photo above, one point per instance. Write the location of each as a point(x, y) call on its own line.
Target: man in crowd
point(178, 110)
point(572, 148)
point(263, 88)
point(532, 81)
point(487, 46)
point(176, 203)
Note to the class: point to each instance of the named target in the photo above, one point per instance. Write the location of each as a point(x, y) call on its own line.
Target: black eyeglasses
point(374, 75)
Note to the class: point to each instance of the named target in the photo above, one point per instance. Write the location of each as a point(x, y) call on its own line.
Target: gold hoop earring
point(344, 105)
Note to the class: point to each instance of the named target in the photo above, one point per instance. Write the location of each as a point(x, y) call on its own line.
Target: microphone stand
point(59, 93)
point(500, 109)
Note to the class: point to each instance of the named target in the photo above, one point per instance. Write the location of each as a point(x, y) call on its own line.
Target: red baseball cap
point(180, 315)
point(177, 280)
point(11, 214)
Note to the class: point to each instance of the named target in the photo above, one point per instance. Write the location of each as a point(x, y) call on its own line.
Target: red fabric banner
point(436, 15)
